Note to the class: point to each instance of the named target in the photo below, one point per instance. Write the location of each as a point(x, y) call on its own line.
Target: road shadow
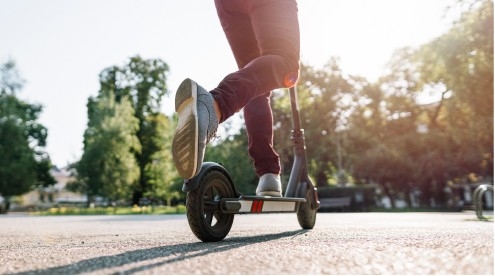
point(177, 252)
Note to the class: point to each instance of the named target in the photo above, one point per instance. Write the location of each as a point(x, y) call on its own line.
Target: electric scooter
point(212, 199)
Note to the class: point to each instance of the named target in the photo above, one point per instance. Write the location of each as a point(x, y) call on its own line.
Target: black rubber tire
point(306, 214)
point(207, 223)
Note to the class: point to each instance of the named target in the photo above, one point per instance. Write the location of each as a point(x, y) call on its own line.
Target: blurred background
point(396, 99)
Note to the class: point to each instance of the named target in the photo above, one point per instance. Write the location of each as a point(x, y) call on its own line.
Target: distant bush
point(135, 210)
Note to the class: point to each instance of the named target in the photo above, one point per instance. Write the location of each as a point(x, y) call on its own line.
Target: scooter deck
point(260, 204)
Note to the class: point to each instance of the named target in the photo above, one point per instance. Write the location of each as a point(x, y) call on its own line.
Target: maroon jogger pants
point(264, 38)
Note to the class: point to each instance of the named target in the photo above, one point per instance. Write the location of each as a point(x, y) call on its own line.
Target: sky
point(61, 46)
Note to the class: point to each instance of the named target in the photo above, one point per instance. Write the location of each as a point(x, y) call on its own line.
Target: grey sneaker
point(196, 127)
point(269, 185)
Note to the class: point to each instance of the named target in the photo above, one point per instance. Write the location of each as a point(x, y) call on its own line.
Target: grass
point(407, 210)
point(181, 209)
point(135, 210)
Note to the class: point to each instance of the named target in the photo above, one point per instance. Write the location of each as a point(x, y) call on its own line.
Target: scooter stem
point(299, 170)
point(294, 107)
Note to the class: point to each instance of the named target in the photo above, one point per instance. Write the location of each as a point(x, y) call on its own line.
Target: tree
point(43, 176)
point(461, 60)
point(23, 162)
point(232, 152)
point(325, 99)
point(160, 174)
point(17, 163)
point(143, 82)
point(457, 136)
point(108, 167)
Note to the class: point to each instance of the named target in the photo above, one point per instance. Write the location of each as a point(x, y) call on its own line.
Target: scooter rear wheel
point(205, 219)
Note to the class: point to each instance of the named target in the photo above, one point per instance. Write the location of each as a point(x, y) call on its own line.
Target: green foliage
point(160, 173)
point(10, 79)
point(127, 152)
point(43, 176)
point(23, 163)
point(356, 131)
point(458, 129)
point(144, 83)
point(325, 98)
point(108, 167)
point(135, 210)
point(17, 163)
point(232, 153)
point(380, 133)
point(462, 60)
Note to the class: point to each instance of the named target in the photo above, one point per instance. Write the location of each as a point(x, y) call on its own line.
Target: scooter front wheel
point(306, 214)
point(205, 219)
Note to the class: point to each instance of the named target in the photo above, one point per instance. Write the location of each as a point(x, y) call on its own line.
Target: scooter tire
point(205, 219)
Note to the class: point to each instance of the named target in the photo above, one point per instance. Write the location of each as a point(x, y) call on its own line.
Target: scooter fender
point(193, 183)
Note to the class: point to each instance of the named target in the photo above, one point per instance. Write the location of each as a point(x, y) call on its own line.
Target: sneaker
point(269, 185)
point(196, 127)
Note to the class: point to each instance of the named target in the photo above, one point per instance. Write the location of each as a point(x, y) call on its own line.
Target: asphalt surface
point(340, 243)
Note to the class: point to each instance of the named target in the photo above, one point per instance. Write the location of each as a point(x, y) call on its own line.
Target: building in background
point(55, 195)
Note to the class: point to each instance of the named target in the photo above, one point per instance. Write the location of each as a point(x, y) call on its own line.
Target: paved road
point(341, 243)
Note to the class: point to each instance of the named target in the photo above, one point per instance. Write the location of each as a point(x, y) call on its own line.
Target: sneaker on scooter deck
point(196, 127)
point(269, 185)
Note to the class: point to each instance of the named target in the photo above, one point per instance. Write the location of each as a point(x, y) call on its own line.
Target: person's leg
point(275, 27)
point(238, 29)
point(277, 67)
point(273, 62)
point(237, 26)
point(259, 126)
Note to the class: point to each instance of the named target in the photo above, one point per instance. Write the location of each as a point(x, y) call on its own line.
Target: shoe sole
point(269, 193)
point(185, 142)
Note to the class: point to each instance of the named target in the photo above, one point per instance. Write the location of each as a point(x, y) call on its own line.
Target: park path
point(340, 243)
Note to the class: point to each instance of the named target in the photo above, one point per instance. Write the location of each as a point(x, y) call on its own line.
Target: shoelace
point(212, 137)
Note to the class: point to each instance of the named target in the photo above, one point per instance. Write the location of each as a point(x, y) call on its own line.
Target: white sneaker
point(269, 185)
